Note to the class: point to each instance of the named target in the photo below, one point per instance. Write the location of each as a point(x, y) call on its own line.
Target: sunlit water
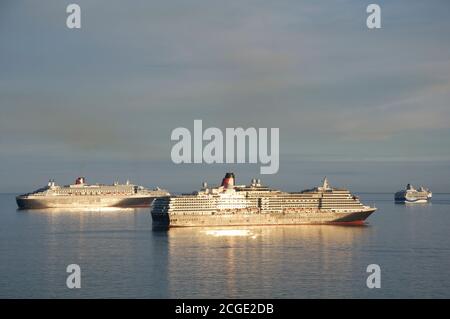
point(121, 256)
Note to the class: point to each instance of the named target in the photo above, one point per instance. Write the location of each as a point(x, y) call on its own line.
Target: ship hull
point(411, 201)
point(83, 202)
point(254, 219)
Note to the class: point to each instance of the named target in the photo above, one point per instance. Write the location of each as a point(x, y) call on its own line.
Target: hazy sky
point(368, 108)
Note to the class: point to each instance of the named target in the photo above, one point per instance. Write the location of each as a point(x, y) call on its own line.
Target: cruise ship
point(256, 204)
point(83, 195)
point(412, 195)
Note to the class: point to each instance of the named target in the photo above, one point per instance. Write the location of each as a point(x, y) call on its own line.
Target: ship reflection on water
point(335, 232)
point(230, 233)
point(218, 262)
point(78, 210)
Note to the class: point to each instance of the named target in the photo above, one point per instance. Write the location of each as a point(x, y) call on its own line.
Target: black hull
point(163, 220)
point(44, 203)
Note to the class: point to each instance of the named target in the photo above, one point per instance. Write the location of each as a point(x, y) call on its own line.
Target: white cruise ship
point(83, 195)
point(256, 204)
point(412, 195)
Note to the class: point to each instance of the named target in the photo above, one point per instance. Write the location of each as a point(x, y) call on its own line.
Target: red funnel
point(228, 180)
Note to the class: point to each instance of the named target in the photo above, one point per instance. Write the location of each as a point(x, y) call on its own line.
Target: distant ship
point(412, 195)
point(256, 204)
point(82, 195)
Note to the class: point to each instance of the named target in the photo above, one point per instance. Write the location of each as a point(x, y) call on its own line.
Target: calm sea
point(121, 256)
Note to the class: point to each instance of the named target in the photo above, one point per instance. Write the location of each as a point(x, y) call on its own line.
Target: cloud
point(135, 72)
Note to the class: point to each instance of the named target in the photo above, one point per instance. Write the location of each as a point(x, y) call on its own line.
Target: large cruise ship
point(82, 195)
point(412, 195)
point(256, 204)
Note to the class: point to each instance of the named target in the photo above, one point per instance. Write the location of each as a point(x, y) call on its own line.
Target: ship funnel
point(79, 181)
point(228, 180)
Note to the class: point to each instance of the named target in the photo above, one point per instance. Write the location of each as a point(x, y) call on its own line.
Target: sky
point(368, 108)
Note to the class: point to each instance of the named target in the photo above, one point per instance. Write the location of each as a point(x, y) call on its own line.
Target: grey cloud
point(115, 89)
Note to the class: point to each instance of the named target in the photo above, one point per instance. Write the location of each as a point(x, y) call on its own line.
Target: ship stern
point(160, 220)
